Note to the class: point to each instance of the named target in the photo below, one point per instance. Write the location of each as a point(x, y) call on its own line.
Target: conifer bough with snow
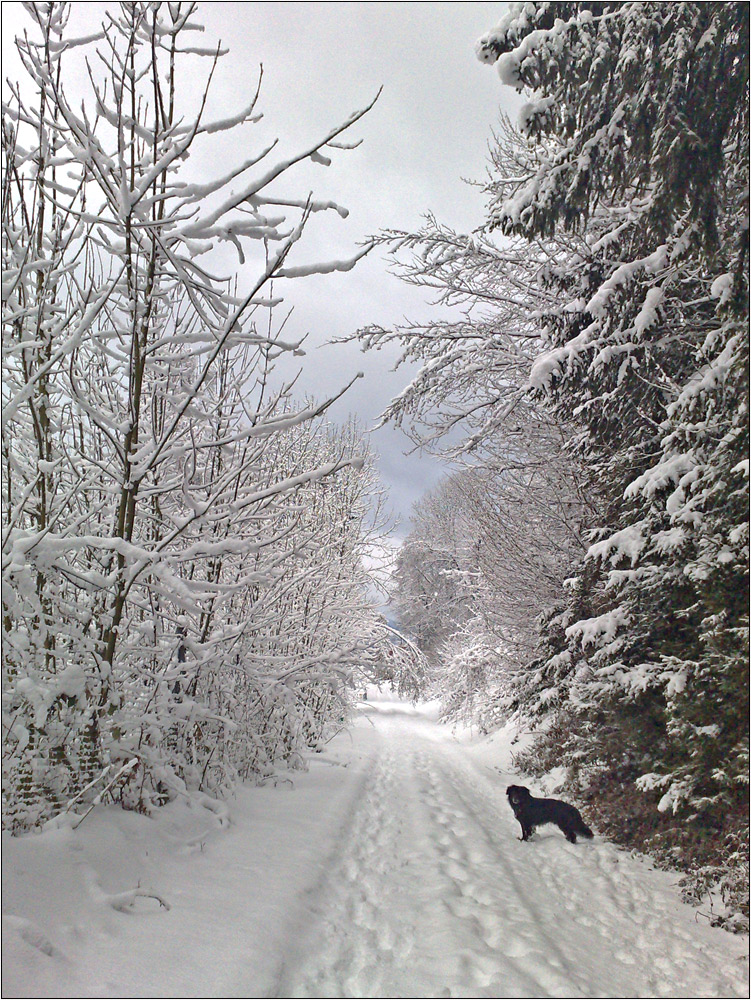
point(638, 116)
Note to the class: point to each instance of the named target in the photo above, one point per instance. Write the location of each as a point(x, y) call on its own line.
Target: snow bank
point(81, 909)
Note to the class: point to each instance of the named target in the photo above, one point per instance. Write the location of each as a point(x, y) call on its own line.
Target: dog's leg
point(568, 831)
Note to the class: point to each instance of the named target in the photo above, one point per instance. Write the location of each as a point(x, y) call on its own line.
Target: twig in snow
point(125, 769)
point(123, 900)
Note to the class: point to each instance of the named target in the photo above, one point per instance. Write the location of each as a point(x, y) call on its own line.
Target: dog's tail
point(583, 830)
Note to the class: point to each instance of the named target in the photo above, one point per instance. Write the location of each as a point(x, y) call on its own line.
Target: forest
point(186, 603)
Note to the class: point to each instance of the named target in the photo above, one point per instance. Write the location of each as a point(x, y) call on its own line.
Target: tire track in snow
point(491, 895)
point(355, 945)
point(366, 945)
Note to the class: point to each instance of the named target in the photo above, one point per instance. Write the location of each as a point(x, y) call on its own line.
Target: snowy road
point(434, 896)
point(392, 869)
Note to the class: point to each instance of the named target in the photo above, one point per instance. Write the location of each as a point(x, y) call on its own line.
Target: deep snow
point(391, 868)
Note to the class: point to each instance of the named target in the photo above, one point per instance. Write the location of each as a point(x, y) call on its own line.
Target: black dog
point(532, 812)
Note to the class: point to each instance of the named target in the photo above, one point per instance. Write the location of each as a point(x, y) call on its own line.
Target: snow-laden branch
point(183, 585)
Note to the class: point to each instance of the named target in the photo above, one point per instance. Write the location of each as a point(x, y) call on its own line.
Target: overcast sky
point(429, 129)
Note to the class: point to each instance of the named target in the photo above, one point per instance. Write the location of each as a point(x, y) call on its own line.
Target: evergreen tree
point(639, 120)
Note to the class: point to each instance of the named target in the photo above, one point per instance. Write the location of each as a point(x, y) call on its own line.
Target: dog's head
point(517, 794)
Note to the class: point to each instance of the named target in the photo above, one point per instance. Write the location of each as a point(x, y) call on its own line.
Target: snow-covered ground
point(391, 868)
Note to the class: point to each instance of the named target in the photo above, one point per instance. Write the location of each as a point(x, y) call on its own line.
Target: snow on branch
point(183, 584)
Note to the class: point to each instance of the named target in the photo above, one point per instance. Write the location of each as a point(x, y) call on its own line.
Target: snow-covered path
point(434, 896)
point(393, 869)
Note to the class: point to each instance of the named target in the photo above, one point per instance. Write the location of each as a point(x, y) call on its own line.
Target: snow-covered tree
point(428, 598)
point(487, 557)
point(520, 497)
point(638, 114)
point(177, 580)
